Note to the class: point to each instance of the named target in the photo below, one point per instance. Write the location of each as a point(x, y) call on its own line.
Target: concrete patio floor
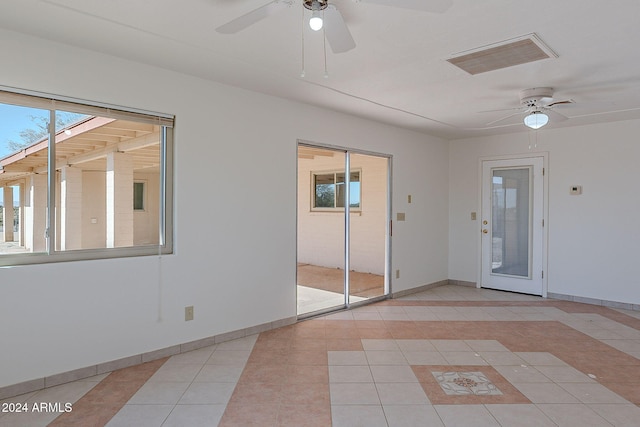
point(10, 247)
point(322, 287)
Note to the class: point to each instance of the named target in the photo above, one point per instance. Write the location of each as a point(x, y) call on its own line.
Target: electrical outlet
point(188, 313)
point(575, 190)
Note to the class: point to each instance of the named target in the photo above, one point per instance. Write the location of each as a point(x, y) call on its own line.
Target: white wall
point(235, 245)
point(593, 243)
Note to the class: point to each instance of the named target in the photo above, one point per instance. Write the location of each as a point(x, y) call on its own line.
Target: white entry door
point(512, 225)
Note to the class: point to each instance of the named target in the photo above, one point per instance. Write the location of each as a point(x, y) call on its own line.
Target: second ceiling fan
point(327, 15)
point(536, 107)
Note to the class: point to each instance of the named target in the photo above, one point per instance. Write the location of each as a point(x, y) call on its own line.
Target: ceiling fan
point(538, 106)
point(327, 15)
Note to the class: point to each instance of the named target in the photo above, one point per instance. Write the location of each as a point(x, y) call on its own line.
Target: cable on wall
point(160, 242)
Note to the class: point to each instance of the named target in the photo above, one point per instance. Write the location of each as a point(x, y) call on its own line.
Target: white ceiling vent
point(520, 50)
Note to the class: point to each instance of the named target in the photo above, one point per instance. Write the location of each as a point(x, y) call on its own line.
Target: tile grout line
point(573, 316)
point(70, 418)
point(43, 383)
point(235, 383)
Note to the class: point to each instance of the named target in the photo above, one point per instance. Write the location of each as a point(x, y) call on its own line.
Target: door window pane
point(368, 228)
point(321, 231)
point(510, 222)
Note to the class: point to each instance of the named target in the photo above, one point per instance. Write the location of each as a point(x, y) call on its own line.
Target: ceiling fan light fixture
point(316, 20)
point(536, 120)
point(316, 7)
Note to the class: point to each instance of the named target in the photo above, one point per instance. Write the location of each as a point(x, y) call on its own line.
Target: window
point(329, 190)
point(138, 196)
point(109, 164)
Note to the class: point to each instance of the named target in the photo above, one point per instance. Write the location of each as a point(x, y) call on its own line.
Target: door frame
point(347, 218)
point(545, 212)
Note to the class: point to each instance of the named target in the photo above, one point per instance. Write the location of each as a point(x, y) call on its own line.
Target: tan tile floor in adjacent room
point(549, 363)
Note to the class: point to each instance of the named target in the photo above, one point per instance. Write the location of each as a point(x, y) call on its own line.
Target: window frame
point(334, 172)
point(53, 103)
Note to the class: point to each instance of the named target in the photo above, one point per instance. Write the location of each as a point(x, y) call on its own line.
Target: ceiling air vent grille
point(520, 50)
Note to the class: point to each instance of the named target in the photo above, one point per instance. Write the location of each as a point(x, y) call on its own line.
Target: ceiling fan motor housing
point(315, 4)
point(533, 97)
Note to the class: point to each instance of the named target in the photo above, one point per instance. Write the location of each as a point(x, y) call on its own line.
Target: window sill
point(334, 211)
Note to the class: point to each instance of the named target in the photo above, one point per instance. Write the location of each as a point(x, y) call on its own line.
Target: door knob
point(485, 231)
point(485, 222)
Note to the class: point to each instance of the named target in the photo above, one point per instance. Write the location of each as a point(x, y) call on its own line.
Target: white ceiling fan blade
point(336, 31)
point(437, 6)
point(566, 101)
point(502, 119)
point(555, 116)
point(521, 109)
point(251, 18)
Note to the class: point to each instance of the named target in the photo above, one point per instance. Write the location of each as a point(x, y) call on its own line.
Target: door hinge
point(543, 274)
point(543, 222)
point(542, 171)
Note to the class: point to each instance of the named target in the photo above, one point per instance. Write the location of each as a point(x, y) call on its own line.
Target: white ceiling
point(398, 71)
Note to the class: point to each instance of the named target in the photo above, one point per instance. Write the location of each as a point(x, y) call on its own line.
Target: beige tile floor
point(555, 363)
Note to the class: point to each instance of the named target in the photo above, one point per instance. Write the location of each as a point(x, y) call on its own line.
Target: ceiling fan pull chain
point(534, 133)
point(302, 37)
point(324, 45)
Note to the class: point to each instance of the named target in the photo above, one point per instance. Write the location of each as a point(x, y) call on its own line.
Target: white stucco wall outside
point(321, 234)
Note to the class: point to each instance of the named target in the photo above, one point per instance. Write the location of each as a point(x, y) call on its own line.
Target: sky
point(13, 119)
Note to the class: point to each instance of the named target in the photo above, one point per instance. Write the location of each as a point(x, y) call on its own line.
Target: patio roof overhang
point(86, 145)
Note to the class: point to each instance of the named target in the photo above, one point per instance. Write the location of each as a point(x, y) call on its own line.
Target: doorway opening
point(343, 235)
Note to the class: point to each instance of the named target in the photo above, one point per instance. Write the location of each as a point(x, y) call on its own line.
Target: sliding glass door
point(343, 207)
point(368, 227)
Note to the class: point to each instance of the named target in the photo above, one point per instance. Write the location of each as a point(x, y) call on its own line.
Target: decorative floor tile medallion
point(466, 383)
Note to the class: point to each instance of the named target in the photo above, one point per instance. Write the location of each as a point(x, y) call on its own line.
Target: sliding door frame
point(347, 225)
